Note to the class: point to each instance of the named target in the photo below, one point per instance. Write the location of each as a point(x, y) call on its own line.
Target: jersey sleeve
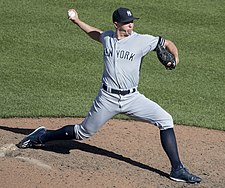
point(150, 42)
point(161, 42)
point(105, 34)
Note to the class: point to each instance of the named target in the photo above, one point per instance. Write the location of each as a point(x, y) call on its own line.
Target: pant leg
point(103, 108)
point(145, 109)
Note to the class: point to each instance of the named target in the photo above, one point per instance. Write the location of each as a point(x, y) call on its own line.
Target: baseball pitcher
point(123, 51)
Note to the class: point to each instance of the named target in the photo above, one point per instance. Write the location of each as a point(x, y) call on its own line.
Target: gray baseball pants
point(106, 105)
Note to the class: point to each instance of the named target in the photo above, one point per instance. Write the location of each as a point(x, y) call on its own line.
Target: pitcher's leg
point(64, 133)
point(95, 119)
point(144, 109)
point(91, 124)
point(101, 111)
point(169, 144)
point(150, 111)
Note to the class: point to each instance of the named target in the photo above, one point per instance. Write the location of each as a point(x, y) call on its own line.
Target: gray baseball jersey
point(122, 62)
point(122, 58)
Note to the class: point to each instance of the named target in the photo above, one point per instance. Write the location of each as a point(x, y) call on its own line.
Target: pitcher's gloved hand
point(165, 57)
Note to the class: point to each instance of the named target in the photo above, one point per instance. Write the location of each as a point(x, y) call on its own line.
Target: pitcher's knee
point(82, 133)
point(166, 122)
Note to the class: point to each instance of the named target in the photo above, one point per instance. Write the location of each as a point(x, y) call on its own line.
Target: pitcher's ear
point(115, 24)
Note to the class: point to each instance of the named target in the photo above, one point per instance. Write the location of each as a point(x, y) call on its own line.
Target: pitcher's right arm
point(92, 32)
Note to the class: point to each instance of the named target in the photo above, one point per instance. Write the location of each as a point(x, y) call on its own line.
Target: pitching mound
point(123, 154)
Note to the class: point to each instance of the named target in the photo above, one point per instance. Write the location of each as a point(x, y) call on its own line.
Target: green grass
point(48, 67)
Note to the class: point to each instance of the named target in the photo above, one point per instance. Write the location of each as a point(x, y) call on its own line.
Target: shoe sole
point(180, 180)
point(26, 143)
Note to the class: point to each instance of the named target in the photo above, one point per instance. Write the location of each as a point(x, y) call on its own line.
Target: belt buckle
point(132, 90)
point(108, 89)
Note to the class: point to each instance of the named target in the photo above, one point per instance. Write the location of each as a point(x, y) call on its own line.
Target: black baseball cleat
point(33, 139)
point(183, 175)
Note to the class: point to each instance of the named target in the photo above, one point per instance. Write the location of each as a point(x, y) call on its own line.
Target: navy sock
point(169, 144)
point(64, 133)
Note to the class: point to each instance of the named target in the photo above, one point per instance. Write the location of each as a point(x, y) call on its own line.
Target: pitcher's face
point(125, 28)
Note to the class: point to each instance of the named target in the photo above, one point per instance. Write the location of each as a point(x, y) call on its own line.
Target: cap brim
point(129, 20)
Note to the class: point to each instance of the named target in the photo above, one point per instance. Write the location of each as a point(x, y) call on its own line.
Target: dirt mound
point(123, 154)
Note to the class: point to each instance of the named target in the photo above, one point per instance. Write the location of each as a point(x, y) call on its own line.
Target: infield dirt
point(123, 154)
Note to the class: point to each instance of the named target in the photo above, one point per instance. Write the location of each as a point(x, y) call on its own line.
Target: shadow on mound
point(64, 147)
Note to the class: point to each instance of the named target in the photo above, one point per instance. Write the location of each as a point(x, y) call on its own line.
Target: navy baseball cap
point(123, 15)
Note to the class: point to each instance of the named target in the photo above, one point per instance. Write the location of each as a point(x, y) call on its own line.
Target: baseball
point(71, 14)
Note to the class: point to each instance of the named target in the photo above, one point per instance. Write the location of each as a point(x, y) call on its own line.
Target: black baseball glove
point(165, 57)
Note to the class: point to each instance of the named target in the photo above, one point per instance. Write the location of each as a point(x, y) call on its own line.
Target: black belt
point(119, 92)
